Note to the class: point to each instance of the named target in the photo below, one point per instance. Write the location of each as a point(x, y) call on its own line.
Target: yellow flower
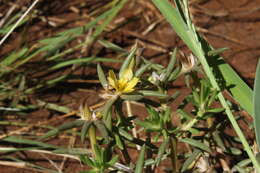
point(126, 82)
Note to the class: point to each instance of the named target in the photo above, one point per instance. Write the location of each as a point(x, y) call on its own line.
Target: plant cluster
point(116, 138)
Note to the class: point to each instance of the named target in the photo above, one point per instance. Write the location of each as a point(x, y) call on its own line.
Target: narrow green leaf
point(125, 134)
point(217, 51)
point(113, 161)
point(142, 69)
point(90, 171)
point(20, 140)
point(53, 106)
point(111, 46)
point(184, 114)
point(82, 61)
point(98, 153)
point(161, 151)
point(175, 73)
point(196, 97)
point(244, 163)
point(153, 114)
point(196, 144)
point(192, 158)
point(218, 140)
point(132, 97)
point(119, 142)
point(173, 16)
point(235, 151)
point(256, 101)
point(149, 162)
point(215, 110)
point(72, 151)
point(152, 93)
point(84, 130)
point(149, 126)
point(127, 61)
point(240, 91)
point(102, 129)
point(13, 57)
point(102, 77)
point(107, 108)
point(85, 159)
point(140, 161)
point(240, 170)
point(170, 65)
point(63, 127)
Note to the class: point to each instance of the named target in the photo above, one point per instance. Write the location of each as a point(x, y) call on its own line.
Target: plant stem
point(92, 138)
point(18, 21)
point(86, 114)
point(193, 121)
point(173, 145)
point(129, 113)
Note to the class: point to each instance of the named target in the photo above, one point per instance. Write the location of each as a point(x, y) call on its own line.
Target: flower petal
point(122, 83)
point(112, 80)
point(130, 85)
point(127, 74)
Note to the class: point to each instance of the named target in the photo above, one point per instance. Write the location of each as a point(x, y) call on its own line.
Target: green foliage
point(112, 132)
point(101, 162)
point(180, 21)
point(257, 104)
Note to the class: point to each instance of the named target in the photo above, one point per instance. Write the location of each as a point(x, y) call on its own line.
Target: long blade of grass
point(13, 57)
point(257, 104)
point(82, 61)
point(20, 140)
point(192, 158)
point(63, 127)
point(140, 161)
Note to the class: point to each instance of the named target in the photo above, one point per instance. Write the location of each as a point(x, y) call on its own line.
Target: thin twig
point(9, 12)
point(22, 165)
point(72, 142)
point(52, 163)
point(221, 36)
point(18, 21)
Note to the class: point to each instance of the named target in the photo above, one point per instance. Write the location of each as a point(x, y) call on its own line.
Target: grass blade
point(20, 140)
point(82, 61)
point(257, 104)
point(140, 161)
